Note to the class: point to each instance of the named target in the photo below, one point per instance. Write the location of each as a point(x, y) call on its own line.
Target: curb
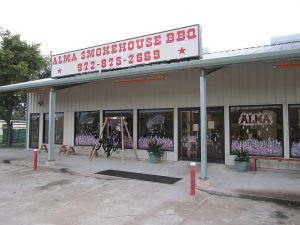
point(59, 169)
point(285, 202)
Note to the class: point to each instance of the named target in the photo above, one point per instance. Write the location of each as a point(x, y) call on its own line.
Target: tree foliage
point(19, 62)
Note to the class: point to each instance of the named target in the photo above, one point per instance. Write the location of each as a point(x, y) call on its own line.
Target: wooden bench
point(70, 150)
point(67, 149)
point(62, 149)
point(279, 159)
point(43, 146)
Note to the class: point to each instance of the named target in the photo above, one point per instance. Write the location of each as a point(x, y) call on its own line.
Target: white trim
point(160, 68)
point(135, 129)
point(228, 157)
point(286, 147)
point(175, 135)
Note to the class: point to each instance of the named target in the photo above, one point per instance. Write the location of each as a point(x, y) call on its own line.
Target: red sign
point(169, 45)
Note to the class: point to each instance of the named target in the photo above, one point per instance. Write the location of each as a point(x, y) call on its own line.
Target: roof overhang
point(205, 64)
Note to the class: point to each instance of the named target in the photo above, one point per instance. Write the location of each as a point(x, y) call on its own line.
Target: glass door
point(189, 134)
point(215, 134)
point(34, 130)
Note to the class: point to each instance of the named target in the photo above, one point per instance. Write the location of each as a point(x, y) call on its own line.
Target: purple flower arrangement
point(85, 139)
point(167, 143)
point(295, 151)
point(127, 143)
point(256, 147)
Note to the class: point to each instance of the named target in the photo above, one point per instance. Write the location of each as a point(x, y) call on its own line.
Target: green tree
point(19, 62)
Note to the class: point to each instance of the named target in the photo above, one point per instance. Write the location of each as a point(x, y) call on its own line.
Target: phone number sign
point(165, 46)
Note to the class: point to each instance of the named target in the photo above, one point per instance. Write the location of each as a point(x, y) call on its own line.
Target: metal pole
point(193, 177)
point(27, 121)
point(203, 173)
point(52, 104)
point(122, 133)
point(35, 159)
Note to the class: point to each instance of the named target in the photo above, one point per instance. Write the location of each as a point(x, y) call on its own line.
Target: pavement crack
point(55, 183)
point(198, 206)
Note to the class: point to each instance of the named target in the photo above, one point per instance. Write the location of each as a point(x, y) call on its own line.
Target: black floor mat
point(140, 176)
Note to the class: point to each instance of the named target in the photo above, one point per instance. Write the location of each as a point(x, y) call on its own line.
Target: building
point(285, 39)
point(252, 97)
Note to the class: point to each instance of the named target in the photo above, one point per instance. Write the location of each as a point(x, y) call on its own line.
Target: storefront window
point(294, 120)
point(114, 124)
point(34, 130)
point(86, 126)
point(59, 128)
point(257, 129)
point(156, 124)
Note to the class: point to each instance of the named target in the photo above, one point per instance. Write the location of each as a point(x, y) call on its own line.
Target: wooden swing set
point(101, 141)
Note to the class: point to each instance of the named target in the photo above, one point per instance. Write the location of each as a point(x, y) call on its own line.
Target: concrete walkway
point(279, 186)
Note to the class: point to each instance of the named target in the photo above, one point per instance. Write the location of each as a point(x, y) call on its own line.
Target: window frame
point(122, 110)
point(44, 128)
point(289, 127)
point(268, 105)
point(30, 126)
point(138, 126)
point(75, 125)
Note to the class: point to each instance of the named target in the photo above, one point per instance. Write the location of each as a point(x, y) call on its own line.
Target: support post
point(27, 120)
point(122, 133)
point(203, 172)
point(52, 106)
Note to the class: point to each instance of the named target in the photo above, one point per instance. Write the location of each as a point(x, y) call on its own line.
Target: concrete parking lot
point(47, 197)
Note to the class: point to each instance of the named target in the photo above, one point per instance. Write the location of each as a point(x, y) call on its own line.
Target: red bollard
point(193, 177)
point(35, 160)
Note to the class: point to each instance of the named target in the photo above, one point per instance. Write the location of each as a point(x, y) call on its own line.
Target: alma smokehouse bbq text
point(124, 53)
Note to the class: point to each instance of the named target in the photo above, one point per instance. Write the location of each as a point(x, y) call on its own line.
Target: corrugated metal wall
point(179, 90)
point(252, 84)
point(243, 84)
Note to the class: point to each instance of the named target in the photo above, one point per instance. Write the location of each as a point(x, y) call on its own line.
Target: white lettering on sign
point(169, 45)
point(251, 119)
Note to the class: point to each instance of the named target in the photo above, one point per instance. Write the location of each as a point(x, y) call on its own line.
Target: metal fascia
point(148, 70)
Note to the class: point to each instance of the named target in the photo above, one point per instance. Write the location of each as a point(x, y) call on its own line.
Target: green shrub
point(241, 155)
point(155, 149)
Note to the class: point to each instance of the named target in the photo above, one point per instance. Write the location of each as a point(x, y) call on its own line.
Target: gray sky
point(61, 25)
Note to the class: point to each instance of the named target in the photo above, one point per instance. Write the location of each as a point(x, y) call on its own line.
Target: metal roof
point(254, 50)
point(210, 61)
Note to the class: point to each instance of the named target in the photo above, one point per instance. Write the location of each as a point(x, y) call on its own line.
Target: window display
point(86, 126)
point(114, 124)
point(156, 124)
point(59, 128)
point(257, 129)
point(294, 124)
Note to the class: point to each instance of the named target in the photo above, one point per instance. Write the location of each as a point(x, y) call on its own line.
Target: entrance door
point(34, 130)
point(189, 134)
point(215, 134)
